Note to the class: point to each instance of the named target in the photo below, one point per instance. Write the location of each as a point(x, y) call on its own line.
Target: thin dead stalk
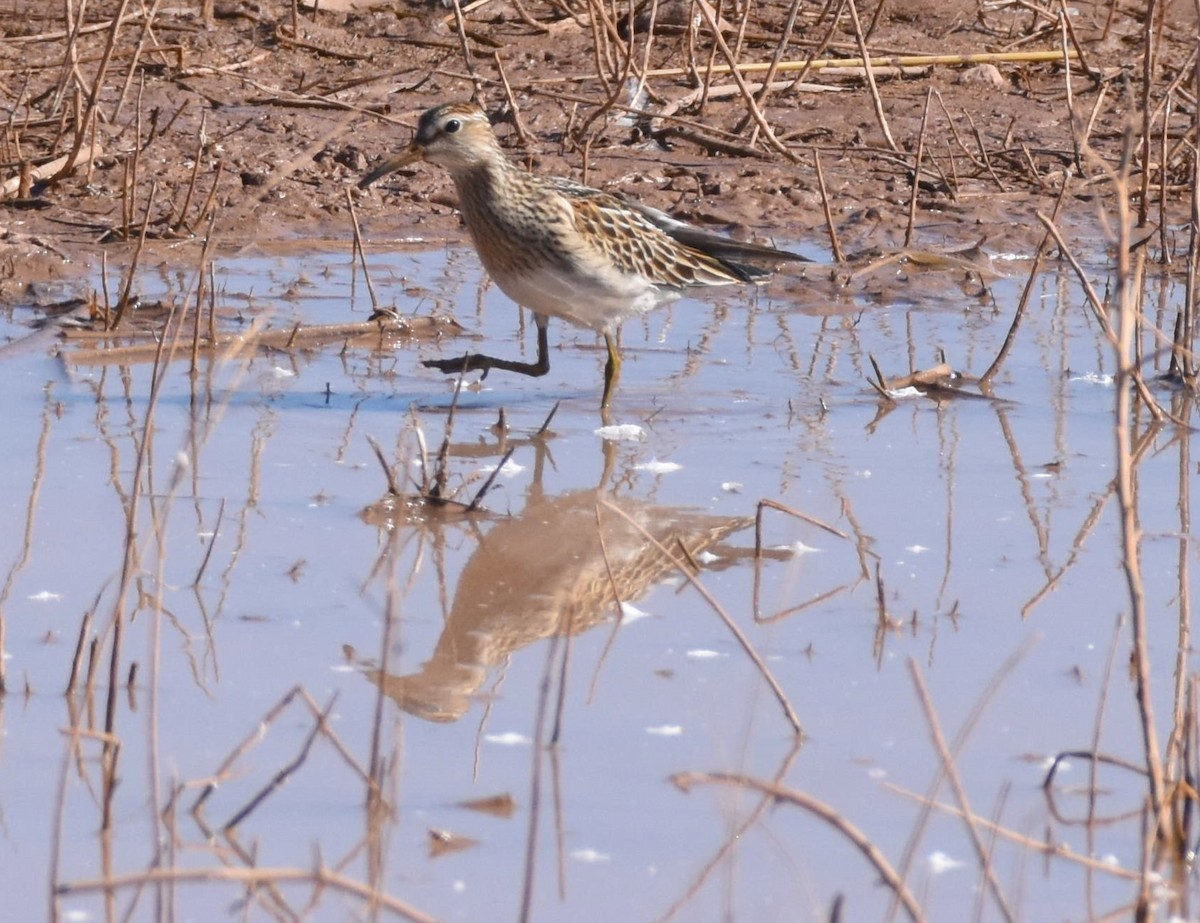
point(877, 61)
point(686, 781)
point(960, 793)
point(752, 106)
point(319, 877)
point(360, 252)
point(916, 181)
point(880, 115)
point(284, 773)
point(89, 112)
point(763, 669)
point(126, 291)
point(1132, 373)
point(838, 256)
point(985, 380)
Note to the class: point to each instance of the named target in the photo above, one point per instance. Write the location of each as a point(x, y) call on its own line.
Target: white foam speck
point(280, 372)
point(509, 469)
point(509, 739)
point(631, 613)
point(939, 862)
point(703, 654)
point(45, 597)
point(916, 549)
point(622, 432)
point(797, 548)
point(1093, 378)
point(731, 487)
point(654, 466)
point(589, 855)
point(665, 730)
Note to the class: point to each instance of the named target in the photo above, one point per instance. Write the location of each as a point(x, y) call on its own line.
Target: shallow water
point(975, 530)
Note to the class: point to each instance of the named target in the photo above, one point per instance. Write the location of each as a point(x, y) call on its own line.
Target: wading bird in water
point(562, 249)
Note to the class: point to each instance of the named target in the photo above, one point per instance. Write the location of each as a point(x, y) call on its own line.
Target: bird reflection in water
point(543, 572)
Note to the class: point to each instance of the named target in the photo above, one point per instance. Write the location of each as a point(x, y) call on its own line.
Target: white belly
point(600, 303)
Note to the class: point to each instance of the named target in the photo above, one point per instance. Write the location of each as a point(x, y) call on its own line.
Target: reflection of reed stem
point(737, 632)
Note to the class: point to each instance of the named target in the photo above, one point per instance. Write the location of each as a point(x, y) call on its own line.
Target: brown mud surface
point(261, 117)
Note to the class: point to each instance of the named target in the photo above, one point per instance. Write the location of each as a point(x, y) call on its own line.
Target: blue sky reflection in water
point(958, 514)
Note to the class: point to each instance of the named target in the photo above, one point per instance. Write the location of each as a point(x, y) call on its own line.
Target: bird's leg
point(477, 362)
point(612, 371)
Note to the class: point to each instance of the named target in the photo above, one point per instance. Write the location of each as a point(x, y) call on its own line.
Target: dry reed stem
point(916, 180)
point(283, 774)
point(736, 631)
point(134, 60)
point(27, 531)
point(1132, 373)
point(759, 119)
point(375, 760)
point(525, 911)
point(875, 61)
point(560, 706)
point(1128, 324)
point(59, 166)
point(838, 256)
point(1175, 754)
point(733, 838)
point(489, 482)
point(781, 46)
point(200, 283)
point(130, 561)
point(960, 793)
point(124, 300)
point(960, 739)
point(392, 487)
point(1063, 17)
point(686, 781)
point(247, 743)
point(1058, 851)
point(384, 329)
point(768, 504)
point(880, 115)
point(985, 380)
point(514, 108)
point(83, 127)
point(1149, 49)
point(359, 252)
point(320, 878)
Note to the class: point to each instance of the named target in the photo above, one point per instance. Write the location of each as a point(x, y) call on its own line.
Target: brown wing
point(626, 236)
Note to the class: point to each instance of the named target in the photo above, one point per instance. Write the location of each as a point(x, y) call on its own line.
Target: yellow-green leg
point(612, 371)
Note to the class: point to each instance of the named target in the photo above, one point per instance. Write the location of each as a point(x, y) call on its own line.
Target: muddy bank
point(258, 122)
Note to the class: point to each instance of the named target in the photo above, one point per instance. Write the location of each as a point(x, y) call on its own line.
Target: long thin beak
point(413, 153)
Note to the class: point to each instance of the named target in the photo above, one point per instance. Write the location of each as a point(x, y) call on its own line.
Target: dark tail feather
point(728, 251)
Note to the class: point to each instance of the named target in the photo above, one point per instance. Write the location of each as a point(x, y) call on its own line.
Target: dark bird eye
point(452, 126)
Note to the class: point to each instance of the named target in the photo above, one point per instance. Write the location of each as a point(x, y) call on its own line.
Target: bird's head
point(456, 136)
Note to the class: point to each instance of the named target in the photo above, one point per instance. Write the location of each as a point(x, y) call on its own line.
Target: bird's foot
point(477, 362)
point(472, 362)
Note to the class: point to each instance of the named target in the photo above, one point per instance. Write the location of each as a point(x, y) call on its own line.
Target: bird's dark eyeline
point(566, 250)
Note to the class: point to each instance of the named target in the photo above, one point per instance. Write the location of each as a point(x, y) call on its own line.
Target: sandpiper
point(562, 249)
